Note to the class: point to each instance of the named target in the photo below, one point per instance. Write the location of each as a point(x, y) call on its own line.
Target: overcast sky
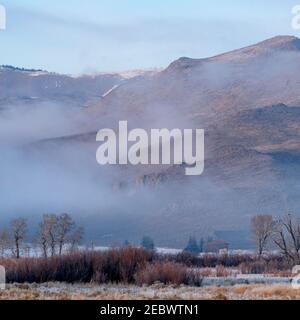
point(76, 36)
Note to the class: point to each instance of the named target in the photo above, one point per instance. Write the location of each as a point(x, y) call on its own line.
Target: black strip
point(156, 309)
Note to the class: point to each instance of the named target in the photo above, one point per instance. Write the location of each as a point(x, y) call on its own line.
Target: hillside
point(247, 100)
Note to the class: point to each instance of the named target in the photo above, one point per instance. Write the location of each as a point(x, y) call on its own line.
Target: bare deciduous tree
point(50, 221)
point(76, 238)
point(57, 231)
point(287, 237)
point(46, 238)
point(18, 228)
point(48, 234)
point(65, 225)
point(42, 239)
point(262, 227)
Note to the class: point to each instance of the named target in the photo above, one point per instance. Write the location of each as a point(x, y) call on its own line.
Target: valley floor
point(62, 291)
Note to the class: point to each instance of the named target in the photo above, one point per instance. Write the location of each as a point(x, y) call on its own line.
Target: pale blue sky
point(75, 36)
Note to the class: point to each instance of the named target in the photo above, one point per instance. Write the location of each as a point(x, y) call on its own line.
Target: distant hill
point(247, 100)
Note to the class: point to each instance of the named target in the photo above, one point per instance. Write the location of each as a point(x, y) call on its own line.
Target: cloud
point(70, 44)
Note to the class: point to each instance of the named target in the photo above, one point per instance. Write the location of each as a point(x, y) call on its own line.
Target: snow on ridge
point(126, 75)
point(110, 90)
point(38, 73)
point(136, 73)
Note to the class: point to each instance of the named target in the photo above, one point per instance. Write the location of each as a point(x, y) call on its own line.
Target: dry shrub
point(194, 278)
point(210, 260)
point(118, 265)
point(132, 260)
point(134, 265)
point(264, 266)
point(276, 292)
point(256, 267)
point(284, 274)
point(220, 296)
point(221, 271)
point(164, 272)
point(241, 290)
point(206, 272)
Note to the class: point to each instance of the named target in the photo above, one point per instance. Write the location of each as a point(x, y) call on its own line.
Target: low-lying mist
point(41, 173)
point(48, 156)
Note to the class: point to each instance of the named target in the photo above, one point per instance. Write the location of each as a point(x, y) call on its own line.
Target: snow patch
point(110, 90)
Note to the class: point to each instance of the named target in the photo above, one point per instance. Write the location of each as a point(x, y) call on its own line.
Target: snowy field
point(62, 291)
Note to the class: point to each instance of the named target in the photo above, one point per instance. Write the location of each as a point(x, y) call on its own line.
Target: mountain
point(29, 86)
point(259, 75)
point(248, 102)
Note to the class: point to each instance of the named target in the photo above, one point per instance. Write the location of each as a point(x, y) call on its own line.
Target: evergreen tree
point(126, 244)
point(192, 246)
point(148, 243)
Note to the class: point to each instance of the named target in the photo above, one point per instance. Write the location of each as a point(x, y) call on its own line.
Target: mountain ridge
point(278, 43)
point(248, 103)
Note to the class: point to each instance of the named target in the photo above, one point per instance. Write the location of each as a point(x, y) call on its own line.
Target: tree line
point(55, 234)
point(282, 233)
